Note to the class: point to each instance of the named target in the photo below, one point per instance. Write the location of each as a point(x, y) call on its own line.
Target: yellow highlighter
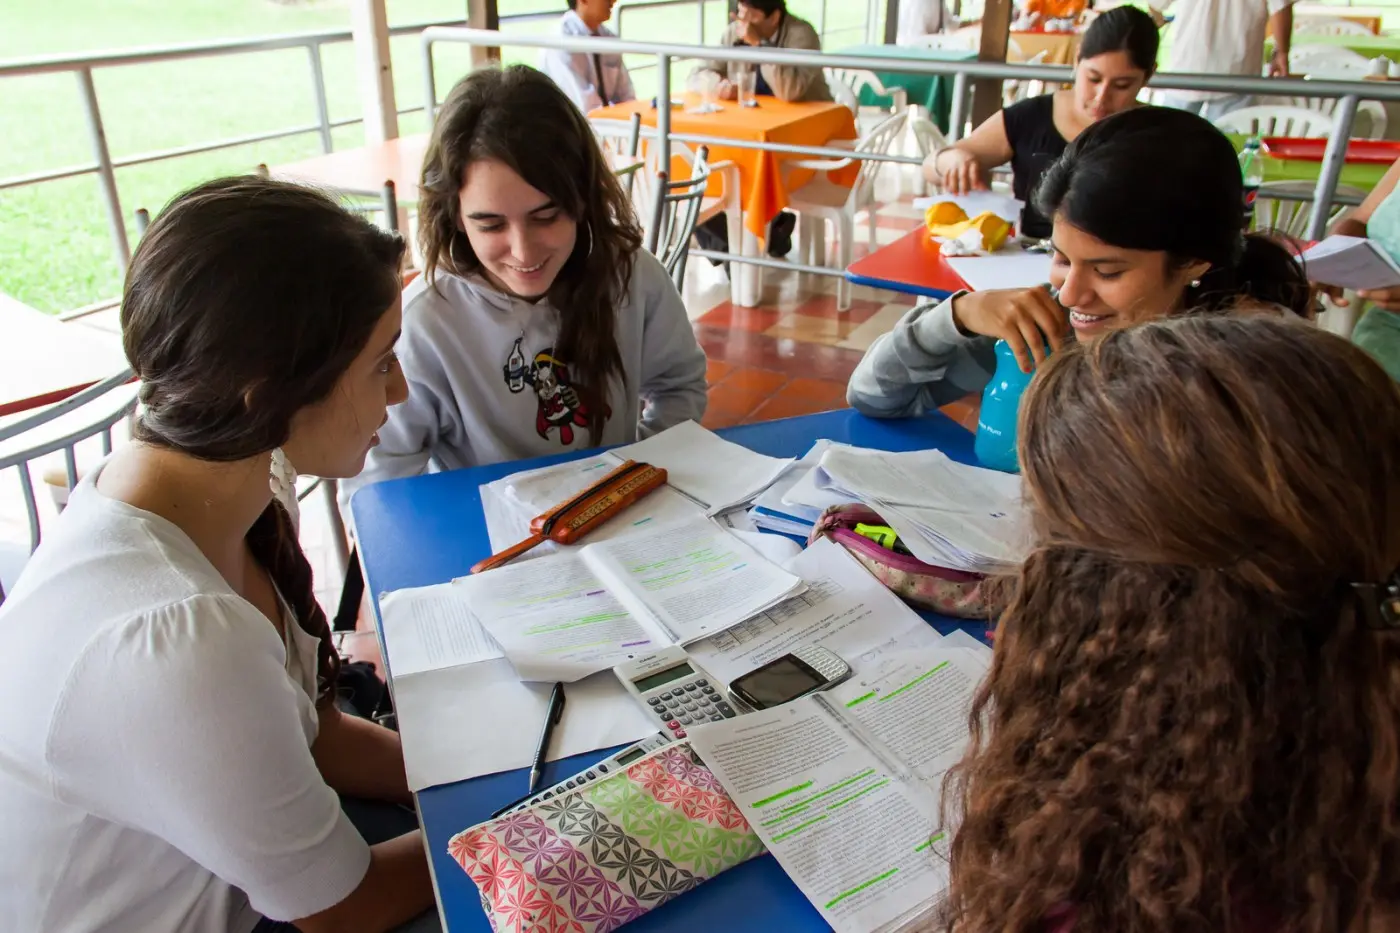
point(883, 535)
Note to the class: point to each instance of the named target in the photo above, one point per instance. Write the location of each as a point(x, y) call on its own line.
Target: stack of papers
point(717, 474)
point(564, 617)
point(1351, 262)
point(948, 514)
point(775, 510)
point(842, 786)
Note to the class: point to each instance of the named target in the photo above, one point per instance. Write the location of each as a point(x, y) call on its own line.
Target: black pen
point(556, 712)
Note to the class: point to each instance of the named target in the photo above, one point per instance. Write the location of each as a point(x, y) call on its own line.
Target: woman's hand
point(726, 90)
point(960, 171)
point(1386, 298)
point(1026, 318)
point(1333, 293)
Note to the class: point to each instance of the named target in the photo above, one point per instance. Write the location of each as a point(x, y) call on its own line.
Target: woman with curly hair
point(1192, 720)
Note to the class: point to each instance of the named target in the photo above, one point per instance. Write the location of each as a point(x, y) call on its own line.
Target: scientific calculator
point(597, 772)
point(675, 690)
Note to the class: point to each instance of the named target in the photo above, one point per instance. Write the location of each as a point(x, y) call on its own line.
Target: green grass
point(55, 250)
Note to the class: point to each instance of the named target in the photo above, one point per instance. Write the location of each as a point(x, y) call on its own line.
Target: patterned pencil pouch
point(606, 853)
point(926, 586)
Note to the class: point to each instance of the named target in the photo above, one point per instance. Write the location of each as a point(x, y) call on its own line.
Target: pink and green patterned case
point(608, 852)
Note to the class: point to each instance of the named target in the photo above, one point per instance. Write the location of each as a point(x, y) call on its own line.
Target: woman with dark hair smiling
point(176, 753)
point(1147, 208)
point(539, 324)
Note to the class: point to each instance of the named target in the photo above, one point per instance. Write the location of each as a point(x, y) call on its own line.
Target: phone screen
point(777, 682)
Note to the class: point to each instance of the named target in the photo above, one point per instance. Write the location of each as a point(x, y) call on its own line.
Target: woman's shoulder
point(1031, 113)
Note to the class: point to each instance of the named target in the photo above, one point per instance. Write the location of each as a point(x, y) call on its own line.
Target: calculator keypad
point(687, 704)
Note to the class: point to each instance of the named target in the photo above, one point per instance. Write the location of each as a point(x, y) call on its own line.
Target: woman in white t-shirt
point(172, 754)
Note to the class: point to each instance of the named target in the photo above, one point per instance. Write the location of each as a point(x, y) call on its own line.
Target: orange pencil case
point(570, 521)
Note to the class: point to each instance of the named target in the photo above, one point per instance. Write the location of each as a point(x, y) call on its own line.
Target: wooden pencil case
point(569, 522)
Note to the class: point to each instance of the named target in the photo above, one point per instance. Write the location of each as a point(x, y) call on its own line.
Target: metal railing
point(1348, 93)
point(104, 164)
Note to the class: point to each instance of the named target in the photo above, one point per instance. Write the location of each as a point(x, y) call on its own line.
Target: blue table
point(430, 529)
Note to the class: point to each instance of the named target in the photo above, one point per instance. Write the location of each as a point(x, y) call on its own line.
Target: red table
point(912, 264)
point(43, 360)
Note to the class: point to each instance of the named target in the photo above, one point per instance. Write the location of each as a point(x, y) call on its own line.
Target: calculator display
point(628, 757)
point(665, 677)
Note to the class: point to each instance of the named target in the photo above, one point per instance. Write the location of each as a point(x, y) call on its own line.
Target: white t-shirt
point(919, 18)
point(1218, 37)
point(155, 763)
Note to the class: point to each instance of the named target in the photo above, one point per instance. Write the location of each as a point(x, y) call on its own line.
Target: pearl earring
point(1195, 283)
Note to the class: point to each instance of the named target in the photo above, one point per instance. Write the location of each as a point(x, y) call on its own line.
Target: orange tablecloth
point(763, 189)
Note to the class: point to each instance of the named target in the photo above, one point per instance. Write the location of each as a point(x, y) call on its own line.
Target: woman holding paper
point(540, 323)
point(1148, 207)
point(1378, 218)
point(1192, 718)
point(1116, 58)
point(175, 755)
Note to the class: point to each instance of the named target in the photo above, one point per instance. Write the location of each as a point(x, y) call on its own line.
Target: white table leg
point(745, 280)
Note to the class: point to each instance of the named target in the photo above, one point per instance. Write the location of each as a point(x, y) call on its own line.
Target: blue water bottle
point(1001, 403)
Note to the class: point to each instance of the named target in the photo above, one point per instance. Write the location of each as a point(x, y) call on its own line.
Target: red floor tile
point(964, 411)
point(717, 370)
point(818, 390)
point(730, 315)
point(757, 384)
point(781, 355)
point(789, 404)
point(824, 306)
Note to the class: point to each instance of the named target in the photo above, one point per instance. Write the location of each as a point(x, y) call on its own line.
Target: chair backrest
point(1289, 216)
point(93, 412)
point(1268, 120)
point(1371, 119)
point(623, 137)
point(676, 208)
point(1330, 59)
point(1016, 90)
point(857, 80)
point(928, 137)
point(841, 92)
point(1309, 26)
point(879, 140)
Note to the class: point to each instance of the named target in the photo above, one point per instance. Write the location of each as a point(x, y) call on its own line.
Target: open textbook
point(843, 786)
point(563, 617)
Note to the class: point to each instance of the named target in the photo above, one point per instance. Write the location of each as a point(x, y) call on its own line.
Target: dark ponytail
point(1124, 29)
point(1165, 180)
point(246, 301)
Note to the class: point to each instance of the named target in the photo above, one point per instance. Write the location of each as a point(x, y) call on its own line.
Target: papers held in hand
point(1351, 262)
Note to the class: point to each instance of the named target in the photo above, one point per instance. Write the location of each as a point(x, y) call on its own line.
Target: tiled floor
point(791, 355)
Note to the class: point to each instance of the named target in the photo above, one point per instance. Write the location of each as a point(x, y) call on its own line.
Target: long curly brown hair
point(519, 117)
point(1187, 725)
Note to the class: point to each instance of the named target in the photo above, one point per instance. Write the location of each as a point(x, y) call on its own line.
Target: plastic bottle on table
point(1252, 173)
point(1001, 404)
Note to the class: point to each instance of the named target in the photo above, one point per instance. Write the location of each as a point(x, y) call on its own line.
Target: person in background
point(1192, 717)
point(1039, 12)
point(1378, 217)
point(1116, 58)
point(591, 80)
point(768, 24)
point(180, 761)
point(540, 324)
point(1147, 209)
point(1224, 37)
point(920, 18)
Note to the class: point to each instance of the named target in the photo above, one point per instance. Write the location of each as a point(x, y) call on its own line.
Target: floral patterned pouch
point(608, 852)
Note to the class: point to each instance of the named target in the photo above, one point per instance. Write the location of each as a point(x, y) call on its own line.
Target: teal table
point(932, 92)
point(1365, 46)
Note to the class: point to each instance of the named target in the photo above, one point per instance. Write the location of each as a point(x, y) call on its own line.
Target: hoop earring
point(589, 226)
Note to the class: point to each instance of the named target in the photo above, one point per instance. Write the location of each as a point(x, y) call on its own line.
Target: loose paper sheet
point(717, 473)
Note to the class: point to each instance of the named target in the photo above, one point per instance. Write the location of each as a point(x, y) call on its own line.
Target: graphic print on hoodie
point(560, 404)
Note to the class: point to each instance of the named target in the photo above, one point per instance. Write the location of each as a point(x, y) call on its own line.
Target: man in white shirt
point(919, 18)
point(591, 80)
point(1225, 37)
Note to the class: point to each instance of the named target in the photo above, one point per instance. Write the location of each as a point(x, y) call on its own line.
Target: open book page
point(915, 703)
point(1351, 262)
point(692, 577)
point(844, 609)
point(554, 619)
point(855, 838)
point(718, 474)
point(427, 628)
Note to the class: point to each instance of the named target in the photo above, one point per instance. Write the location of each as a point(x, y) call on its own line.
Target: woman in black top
point(1116, 58)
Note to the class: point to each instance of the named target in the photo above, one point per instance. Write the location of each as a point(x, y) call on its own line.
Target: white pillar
point(369, 25)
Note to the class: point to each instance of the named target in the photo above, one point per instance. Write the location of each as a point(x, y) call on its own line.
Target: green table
point(1365, 46)
point(1364, 177)
point(933, 92)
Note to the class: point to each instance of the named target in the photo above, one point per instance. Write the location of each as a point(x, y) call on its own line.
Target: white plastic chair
point(1016, 90)
point(727, 202)
point(855, 80)
point(93, 412)
point(1268, 120)
point(1328, 59)
point(676, 207)
point(1371, 119)
point(1308, 26)
point(620, 137)
point(820, 201)
point(928, 140)
point(1289, 216)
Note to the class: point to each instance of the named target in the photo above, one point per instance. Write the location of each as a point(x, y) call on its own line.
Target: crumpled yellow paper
point(947, 220)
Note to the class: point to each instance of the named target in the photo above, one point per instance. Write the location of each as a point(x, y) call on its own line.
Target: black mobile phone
point(794, 675)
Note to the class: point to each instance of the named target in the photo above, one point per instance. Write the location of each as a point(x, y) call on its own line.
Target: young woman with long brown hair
point(1192, 718)
point(540, 324)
